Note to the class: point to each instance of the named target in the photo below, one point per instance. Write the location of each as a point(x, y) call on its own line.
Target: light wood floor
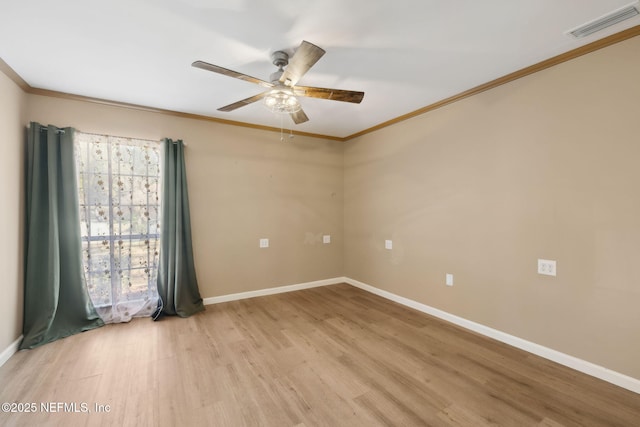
point(330, 356)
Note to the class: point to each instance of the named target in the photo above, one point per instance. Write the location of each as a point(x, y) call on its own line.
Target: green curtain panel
point(177, 284)
point(56, 302)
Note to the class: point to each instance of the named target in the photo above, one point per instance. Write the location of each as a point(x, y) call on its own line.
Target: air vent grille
point(604, 22)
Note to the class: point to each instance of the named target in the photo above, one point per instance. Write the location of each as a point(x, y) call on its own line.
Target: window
point(118, 183)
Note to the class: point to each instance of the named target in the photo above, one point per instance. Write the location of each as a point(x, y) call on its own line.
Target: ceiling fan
point(281, 97)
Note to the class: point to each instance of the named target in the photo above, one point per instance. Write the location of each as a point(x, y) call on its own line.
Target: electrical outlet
point(449, 279)
point(388, 244)
point(326, 238)
point(264, 243)
point(547, 267)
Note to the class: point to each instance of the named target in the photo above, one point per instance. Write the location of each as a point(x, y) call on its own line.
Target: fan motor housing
point(279, 58)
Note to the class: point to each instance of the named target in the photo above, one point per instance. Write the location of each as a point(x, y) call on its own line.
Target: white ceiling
point(404, 54)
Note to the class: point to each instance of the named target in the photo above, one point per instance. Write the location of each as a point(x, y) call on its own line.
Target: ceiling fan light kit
point(283, 93)
point(282, 101)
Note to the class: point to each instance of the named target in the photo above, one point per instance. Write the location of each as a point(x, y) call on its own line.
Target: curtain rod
point(44, 128)
point(127, 137)
point(118, 136)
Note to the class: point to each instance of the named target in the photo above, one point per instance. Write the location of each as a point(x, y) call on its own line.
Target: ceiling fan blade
point(210, 67)
point(304, 58)
point(332, 94)
point(299, 117)
point(243, 102)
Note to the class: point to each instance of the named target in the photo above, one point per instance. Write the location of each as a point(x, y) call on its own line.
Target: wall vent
point(604, 22)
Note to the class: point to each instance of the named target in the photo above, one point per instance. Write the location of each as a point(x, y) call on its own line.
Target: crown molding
point(9, 72)
point(55, 94)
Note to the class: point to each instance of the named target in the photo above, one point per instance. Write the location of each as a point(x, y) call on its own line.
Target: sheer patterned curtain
point(119, 180)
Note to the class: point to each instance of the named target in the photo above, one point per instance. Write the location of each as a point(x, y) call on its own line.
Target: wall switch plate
point(326, 238)
point(264, 243)
point(388, 244)
point(449, 279)
point(547, 267)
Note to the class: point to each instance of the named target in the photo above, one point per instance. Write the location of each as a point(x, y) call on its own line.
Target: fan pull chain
point(281, 127)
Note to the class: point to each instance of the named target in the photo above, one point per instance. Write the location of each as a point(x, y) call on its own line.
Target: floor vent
point(604, 22)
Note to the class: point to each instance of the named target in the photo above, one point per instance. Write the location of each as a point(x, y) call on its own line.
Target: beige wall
point(12, 117)
point(244, 184)
point(548, 167)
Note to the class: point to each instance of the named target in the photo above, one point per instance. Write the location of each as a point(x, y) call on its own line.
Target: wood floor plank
point(327, 356)
point(458, 415)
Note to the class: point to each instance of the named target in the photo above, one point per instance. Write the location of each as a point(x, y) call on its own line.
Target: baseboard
point(583, 366)
point(272, 291)
point(10, 351)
